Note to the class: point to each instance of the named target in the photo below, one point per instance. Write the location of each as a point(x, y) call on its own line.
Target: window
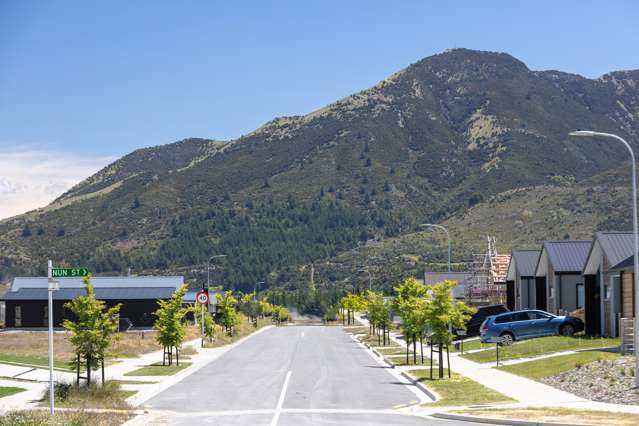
point(608, 287)
point(581, 295)
point(540, 315)
point(18, 315)
point(520, 316)
point(504, 318)
point(46, 316)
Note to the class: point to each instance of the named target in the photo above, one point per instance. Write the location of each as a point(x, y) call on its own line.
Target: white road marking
point(280, 402)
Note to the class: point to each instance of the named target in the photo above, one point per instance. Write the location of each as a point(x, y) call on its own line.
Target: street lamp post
point(432, 225)
point(587, 133)
point(257, 284)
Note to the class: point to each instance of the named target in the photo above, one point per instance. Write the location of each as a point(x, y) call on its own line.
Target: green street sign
point(69, 272)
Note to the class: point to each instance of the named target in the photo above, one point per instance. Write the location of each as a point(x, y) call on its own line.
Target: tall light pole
point(257, 284)
point(432, 225)
point(588, 133)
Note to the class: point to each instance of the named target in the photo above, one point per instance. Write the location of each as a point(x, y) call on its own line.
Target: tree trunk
point(414, 348)
point(421, 346)
point(88, 369)
point(441, 361)
point(407, 346)
point(77, 371)
point(177, 356)
point(102, 362)
point(163, 355)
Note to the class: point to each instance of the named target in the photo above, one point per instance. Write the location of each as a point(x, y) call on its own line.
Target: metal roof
point(567, 255)
point(102, 293)
point(617, 246)
point(462, 278)
point(526, 261)
point(174, 282)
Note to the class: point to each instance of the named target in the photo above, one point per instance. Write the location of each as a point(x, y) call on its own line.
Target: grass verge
point(393, 350)
point(62, 418)
point(541, 346)
point(159, 370)
point(244, 328)
point(458, 390)
point(95, 395)
point(9, 390)
point(471, 345)
point(31, 360)
point(557, 415)
point(555, 365)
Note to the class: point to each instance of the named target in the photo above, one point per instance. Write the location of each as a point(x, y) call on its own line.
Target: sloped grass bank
point(541, 346)
point(547, 367)
point(458, 390)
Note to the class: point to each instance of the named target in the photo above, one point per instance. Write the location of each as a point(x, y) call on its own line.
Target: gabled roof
point(102, 293)
point(97, 282)
point(617, 246)
point(525, 262)
point(565, 255)
point(628, 264)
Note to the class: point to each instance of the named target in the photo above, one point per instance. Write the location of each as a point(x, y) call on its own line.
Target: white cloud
point(31, 177)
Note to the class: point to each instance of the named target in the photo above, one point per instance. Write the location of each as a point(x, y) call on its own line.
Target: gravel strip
point(604, 381)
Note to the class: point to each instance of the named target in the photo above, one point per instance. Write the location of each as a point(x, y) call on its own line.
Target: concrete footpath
point(527, 392)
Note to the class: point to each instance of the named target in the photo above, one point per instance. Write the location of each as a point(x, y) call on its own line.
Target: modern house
point(607, 278)
point(27, 298)
point(462, 279)
point(559, 286)
point(520, 279)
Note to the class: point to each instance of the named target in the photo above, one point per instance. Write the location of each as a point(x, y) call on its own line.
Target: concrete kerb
point(431, 394)
point(146, 394)
point(493, 421)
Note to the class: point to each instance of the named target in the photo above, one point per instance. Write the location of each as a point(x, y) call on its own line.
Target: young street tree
point(93, 330)
point(170, 325)
point(378, 315)
point(280, 314)
point(410, 304)
point(229, 317)
point(443, 312)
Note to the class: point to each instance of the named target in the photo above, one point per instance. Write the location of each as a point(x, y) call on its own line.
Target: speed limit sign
point(202, 297)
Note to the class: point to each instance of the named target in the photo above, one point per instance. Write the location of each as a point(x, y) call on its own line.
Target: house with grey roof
point(462, 279)
point(609, 282)
point(520, 279)
point(27, 299)
point(559, 275)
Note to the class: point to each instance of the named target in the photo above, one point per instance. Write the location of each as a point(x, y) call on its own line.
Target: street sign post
point(69, 272)
point(202, 298)
point(53, 286)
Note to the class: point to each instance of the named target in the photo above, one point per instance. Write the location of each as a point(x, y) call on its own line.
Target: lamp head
point(586, 133)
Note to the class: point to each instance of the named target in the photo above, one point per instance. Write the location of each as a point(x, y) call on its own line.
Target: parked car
point(528, 324)
point(473, 324)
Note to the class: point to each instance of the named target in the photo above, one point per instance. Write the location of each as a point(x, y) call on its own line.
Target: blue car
point(510, 326)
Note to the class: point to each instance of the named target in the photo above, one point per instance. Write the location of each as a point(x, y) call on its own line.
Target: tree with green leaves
point(409, 304)
point(93, 330)
point(170, 325)
point(226, 305)
point(281, 314)
point(378, 315)
point(210, 328)
point(265, 309)
point(443, 313)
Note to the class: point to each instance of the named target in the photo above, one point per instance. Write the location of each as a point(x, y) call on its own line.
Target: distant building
point(520, 279)
point(27, 307)
point(462, 279)
point(560, 282)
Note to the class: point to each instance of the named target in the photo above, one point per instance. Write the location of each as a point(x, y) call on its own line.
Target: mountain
point(433, 142)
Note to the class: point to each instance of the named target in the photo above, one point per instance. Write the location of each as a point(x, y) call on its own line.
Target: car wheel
point(507, 339)
point(567, 330)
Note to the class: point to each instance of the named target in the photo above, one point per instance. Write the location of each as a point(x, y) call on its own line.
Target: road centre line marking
point(280, 402)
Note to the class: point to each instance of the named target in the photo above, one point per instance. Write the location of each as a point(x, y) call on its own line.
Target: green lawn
point(552, 366)
point(401, 360)
point(36, 361)
point(471, 345)
point(158, 370)
point(8, 391)
point(133, 382)
point(540, 346)
point(458, 390)
point(392, 350)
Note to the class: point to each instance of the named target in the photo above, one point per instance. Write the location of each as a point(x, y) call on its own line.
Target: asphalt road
point(292, 376)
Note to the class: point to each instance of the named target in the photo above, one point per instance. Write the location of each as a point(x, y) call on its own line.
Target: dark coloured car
point(508, 327)
point(483, 312)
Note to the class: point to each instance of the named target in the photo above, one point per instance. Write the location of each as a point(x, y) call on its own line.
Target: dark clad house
point(559, 279)
point(521, 276)
point(608, 283)
point(27, 307)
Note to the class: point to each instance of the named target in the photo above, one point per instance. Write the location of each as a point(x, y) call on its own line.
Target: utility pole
point(51, 288)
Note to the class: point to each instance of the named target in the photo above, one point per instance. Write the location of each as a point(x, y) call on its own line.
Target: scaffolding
point(487, 282)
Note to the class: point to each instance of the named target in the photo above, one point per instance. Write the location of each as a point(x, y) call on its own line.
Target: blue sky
point(100, 79)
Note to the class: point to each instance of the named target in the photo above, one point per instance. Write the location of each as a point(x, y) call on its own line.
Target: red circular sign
point(202, 297)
